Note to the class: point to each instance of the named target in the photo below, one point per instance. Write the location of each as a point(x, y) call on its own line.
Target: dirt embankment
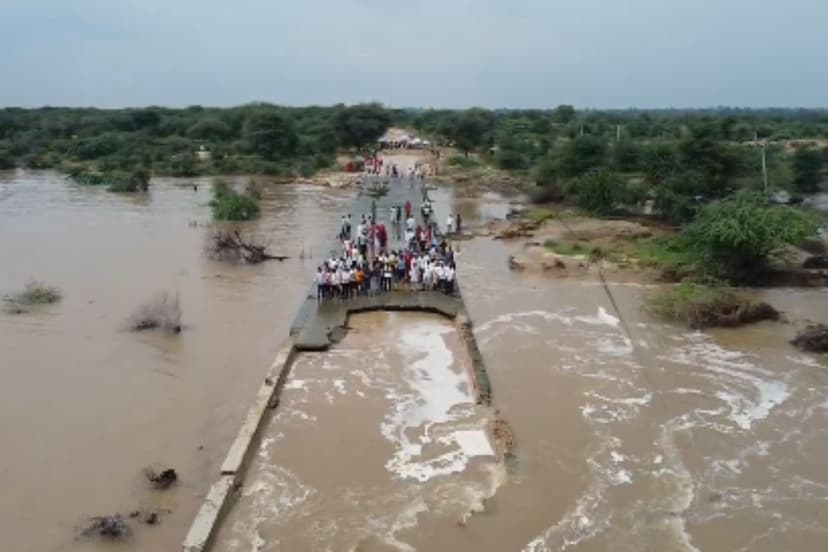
point(570, 246)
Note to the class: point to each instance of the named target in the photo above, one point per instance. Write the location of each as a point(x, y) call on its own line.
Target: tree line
point(250, 139)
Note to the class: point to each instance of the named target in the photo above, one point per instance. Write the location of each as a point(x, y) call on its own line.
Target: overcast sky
point(429, 53)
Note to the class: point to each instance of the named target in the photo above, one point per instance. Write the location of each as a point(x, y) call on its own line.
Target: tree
point(660, 161)
point(735, 236)
point(599, 191)
point(806, 164)
point(563, 114)
point(270, 134)
point(703, 152)
point(6, 160)
point(583, 154)
point(626, 156)
point(470, 129)
point(210, 128)
point(361, 125)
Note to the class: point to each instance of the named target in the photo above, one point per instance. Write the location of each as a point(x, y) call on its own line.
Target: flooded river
point(631, 434)
point(85, 405)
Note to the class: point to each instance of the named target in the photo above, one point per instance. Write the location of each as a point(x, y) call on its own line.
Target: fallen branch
point(232, 246)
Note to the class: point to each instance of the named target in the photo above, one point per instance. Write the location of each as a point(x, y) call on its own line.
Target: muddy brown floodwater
point(631, 434)
point(85, 405)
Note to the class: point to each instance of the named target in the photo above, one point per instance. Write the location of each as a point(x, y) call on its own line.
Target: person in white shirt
point(414, 276)
point(338, 280)
point(448, 279)
point(428, 276)
point(410, 223)
point(450, 224)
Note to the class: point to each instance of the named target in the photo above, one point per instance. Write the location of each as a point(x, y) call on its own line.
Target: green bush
point(136, 180)
point(599, 191)
point(463, 162)
point(735, 236)
point(34, 294)
point(564, 248)
point(6, 160)
point(228, 204)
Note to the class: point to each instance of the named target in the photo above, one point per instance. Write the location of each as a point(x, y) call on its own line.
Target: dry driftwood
point(224, 245)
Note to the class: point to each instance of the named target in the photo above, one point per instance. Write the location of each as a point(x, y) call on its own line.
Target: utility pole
point(617, 133)
point(765, 167)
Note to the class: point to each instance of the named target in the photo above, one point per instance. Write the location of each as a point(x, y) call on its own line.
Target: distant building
point(203, 154)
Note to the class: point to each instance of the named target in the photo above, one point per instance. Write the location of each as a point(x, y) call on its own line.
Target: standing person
point(375, 277)
point(407, 209)
point(458, 223)
point(450, 275)
point(414, 275)
point(387, 274)
point(319, 280)
point(359, 280)
point(347, 275)
point(382, 234)
point(450, 224)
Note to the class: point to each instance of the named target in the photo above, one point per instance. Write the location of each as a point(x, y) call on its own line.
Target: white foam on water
point(474, 442)
point(621, 477)
point(805, 360)
point(434, 393)
point(296, 384)
point(744, 411)
point(677, 473)
point(274, 494)
point(339, 385)
point(749, 391)
point(601, 318)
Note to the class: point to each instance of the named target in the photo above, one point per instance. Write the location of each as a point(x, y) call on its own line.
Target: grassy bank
point(700, 306)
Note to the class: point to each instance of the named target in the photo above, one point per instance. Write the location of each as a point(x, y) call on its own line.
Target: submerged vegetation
point(33, 295)
point(162, 312)
point(701, 306)
point(232, 205)
point(813, 339)
point(136, 180)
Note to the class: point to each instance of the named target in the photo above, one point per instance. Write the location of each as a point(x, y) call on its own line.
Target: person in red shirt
point(407, 209)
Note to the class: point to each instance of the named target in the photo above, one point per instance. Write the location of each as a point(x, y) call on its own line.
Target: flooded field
point(631, 434)
point(86, 405)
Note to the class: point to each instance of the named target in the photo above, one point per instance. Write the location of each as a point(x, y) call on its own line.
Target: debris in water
point(162, 479)
point(814, 339)
point(163, 312)
point(148, 517)
point(112, 527)
point(504, 437)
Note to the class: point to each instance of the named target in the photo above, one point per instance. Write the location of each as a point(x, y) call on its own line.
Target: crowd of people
point(367, 265)
point(377, 166)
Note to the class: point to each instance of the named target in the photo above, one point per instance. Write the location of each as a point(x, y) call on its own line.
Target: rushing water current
point(631, 434)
